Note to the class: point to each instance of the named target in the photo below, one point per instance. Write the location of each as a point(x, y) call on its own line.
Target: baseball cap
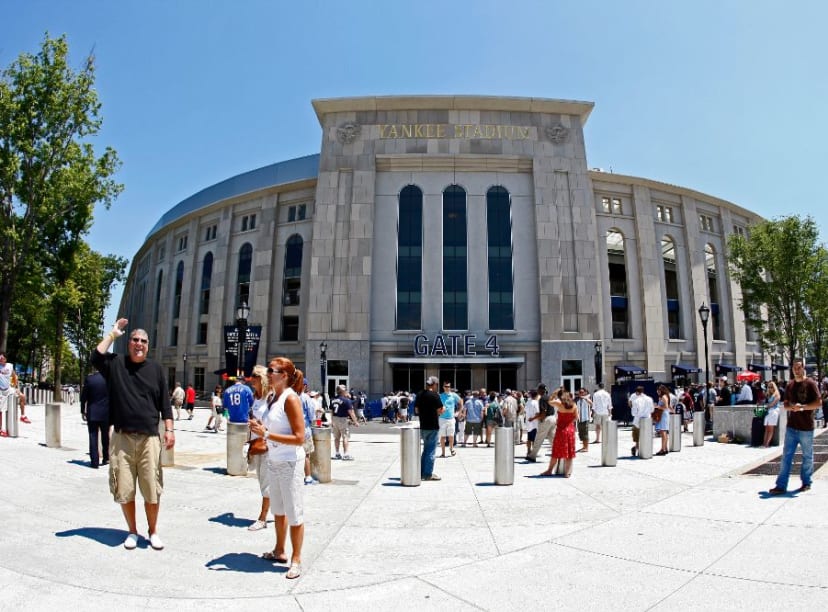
point(432, 380)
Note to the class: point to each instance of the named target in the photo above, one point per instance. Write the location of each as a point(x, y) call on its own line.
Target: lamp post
point(704, 315)
point(323, 365)
point(599, 363)
point(185, 368)
point(242, 312)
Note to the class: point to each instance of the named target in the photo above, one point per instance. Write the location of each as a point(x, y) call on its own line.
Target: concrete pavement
point(683, 532)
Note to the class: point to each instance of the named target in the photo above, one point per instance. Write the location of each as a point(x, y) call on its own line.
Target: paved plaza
point(688, 531)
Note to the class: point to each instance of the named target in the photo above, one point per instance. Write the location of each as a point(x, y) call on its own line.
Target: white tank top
point(277, 422)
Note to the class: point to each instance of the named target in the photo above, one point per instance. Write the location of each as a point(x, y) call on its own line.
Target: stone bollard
point(12, 416)
point(167, 454)
point(645, 438)
point(320, 458)
point(609, 443)
point(504, 456)
point(674, 435)
point(53, 425)
point(410, 475)
point(236, 439)
point(698, 428)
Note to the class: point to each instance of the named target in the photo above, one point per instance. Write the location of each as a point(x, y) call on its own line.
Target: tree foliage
point(50, 176)
point(782, 270)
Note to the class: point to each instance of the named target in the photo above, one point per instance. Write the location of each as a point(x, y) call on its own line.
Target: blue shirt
point(450, 402)
point(238, 400)
point(474, 411)
point(309, 411)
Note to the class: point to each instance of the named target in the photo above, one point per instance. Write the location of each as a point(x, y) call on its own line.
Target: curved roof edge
point(280, 173)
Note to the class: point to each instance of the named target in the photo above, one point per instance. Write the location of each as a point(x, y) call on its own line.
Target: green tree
point(50, 176)
point(776, 268)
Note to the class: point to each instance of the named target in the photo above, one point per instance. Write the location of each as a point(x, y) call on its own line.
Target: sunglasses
point(140, 340)
point(275, 371)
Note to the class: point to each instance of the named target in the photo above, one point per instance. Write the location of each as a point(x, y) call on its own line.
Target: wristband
point(169, 430)
point(112, 336)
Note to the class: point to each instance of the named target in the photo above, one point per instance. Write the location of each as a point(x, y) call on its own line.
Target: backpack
point(498, 415)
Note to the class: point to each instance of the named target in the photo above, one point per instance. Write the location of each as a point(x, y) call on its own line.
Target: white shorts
point(259, 463)
point(772, 417)
point(286, 479)
point(5, 396)
point(446, 428)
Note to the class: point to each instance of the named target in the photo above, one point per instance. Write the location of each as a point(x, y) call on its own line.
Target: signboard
point(454, 345)
point(231, 348)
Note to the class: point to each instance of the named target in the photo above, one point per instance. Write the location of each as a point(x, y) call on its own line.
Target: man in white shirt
point(531, 411)
point(601, 410)
point(641, 407)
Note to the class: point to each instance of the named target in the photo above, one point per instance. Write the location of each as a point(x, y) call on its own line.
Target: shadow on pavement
point(102, 535)
point(230, 520)
point(244, 562)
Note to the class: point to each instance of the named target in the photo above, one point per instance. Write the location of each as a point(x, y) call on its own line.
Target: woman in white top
point(772, 415)
point(283, 426)
point(261, 387)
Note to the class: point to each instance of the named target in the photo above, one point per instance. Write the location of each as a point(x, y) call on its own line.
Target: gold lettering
point(477, 133)
point(431, 130)
point(524, 132)
point(405, 131)
point(418, 132)
point(392, 132)
point(383, 131)
point(441, 131)
point(490, 131)
point(458, 131)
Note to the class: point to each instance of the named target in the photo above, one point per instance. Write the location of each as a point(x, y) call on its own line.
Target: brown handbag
point(257, 446)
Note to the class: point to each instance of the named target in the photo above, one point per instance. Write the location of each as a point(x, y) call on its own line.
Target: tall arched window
point(499, 233)
point(410, 258)
point(157, 308)
point(455, 274)
point(206, 281)
point(293, 270)
point(243, 275)
point(713, 291)
point(618, 284)
point(671, 287)
point(179, 284)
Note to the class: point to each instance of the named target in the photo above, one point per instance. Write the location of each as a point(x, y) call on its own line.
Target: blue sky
point(723, 96)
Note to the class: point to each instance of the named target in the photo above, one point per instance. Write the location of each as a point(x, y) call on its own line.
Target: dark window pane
point(455, 260)
point(409, 258)
point(243, 274)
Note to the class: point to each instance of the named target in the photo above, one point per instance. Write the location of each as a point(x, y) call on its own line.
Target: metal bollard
point(645, 438)
point(674, 436)
point(167, 454)
point(12, 416)
point(53, 425)
point(504, 465)
point(609, 443)
point(410, 456)
point(320, 458)
point(698, 428)
point(236, 438)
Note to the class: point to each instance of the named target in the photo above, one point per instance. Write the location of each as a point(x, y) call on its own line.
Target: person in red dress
point(563, 445)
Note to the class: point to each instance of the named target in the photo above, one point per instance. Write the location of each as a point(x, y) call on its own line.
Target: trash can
point(609, 443)
point(53, 425)
point(320, 458)
point(12, 416)
point(674, 436)
point(645, 438)
point(504, 467)
point(236, 439)
point(698, 428)
point(410, 456)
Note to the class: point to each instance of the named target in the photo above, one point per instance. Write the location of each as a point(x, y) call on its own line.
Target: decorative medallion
point(348, 132)
point(557, 133)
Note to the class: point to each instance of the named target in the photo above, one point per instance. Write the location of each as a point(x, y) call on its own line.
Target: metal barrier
point(609, 443)
point(167, 454)
point(320, 458)
point(698, 428)
point(236, 439)
point(410, 456)
point(12, 416)
point(504, 465)
point(674, 437)
point(645, 438)
point(53, 425)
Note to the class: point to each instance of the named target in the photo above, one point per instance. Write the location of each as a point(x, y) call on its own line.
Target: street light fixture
point(323, 365)
point(185, 368)
point(242, 312)
point(599, 363)
point(704, 315)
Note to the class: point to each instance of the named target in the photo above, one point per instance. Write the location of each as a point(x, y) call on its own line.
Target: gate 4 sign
point(451, 345)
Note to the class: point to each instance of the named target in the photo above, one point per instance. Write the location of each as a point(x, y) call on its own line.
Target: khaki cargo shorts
point(135, 456)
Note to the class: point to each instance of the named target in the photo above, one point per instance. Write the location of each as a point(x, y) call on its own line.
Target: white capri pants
point(285, 482)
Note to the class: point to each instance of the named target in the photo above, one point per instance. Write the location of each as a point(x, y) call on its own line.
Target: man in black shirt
point(137, 396)
point(429, 407)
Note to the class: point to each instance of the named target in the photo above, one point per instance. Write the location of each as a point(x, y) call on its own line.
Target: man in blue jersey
point(238, 400)
point(452, 404)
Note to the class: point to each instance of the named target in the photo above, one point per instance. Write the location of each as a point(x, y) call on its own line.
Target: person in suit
point(95, 411)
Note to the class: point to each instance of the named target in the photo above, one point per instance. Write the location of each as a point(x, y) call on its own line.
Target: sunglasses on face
point(275, 371)
point(140, 340)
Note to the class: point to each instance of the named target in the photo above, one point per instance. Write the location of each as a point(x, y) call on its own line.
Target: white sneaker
point(156, 542)
point(257, 526)
point(309, 480)
point(347, 458)
point(131, 541)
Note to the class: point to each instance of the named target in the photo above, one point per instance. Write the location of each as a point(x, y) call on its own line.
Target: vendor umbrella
point(747, 376)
